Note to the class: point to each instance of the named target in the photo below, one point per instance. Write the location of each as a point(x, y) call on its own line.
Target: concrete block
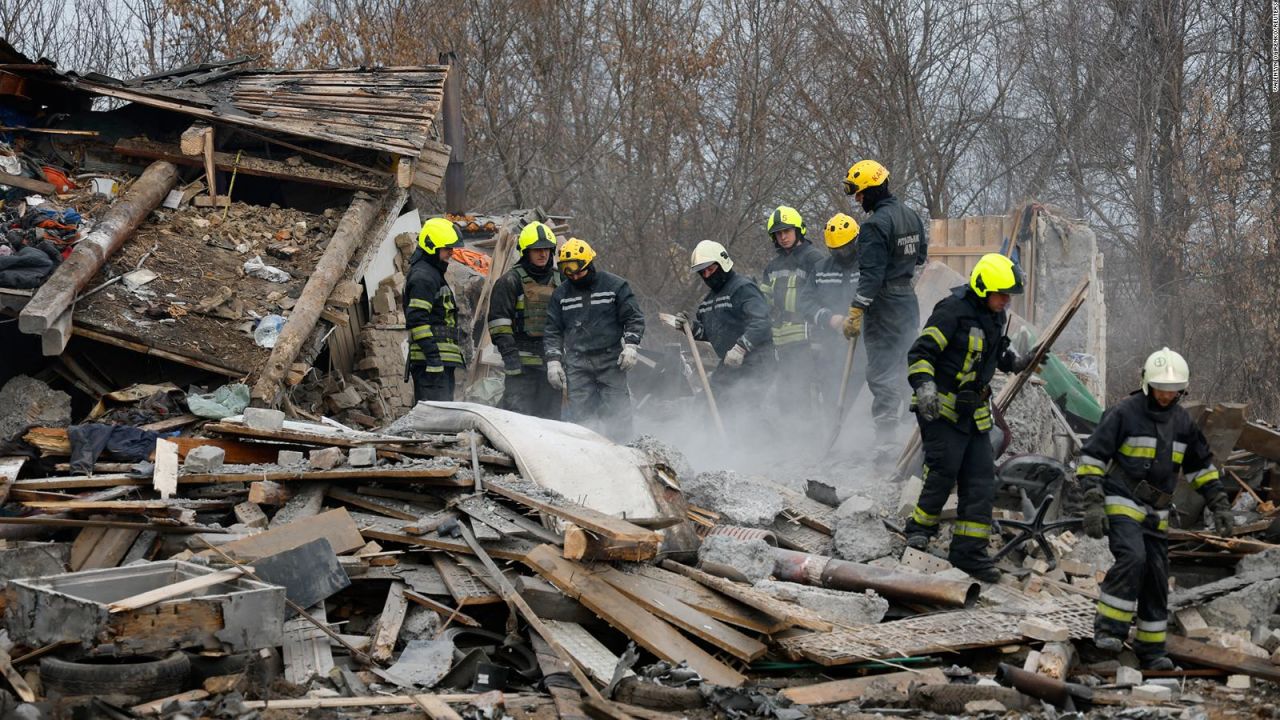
point(326, 458)
point(1040, 629)
point(1238, 682)
point(1154, 693)
point(204, 459)
point(290, 457)
point(1271, 641)
point(1128, 677)
point(263, 419)
point(1275, 658)
point(978, 707)
point(363, 457)
point(1192, 624)
point(250, 515)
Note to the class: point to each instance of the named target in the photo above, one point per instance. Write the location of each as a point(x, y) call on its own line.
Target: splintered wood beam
point(614, 528)
point(58, 293)
point(351, 233)
point(252, 165)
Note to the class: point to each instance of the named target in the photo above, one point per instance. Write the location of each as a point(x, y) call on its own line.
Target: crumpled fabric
point(29, 267)
point(90, 440)
point(228, 400)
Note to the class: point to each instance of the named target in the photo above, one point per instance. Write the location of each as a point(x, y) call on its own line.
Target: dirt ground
point(197, 253)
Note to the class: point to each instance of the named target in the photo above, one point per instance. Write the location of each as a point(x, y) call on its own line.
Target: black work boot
point(918, 536)
point(1157, 662)
point(970, 555)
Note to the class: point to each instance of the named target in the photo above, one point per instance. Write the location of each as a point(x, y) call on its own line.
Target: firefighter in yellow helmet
point(892, 242)
point(787, 283)
point(592, 339)
point(431, 315)
point(517, 318)
point(950, 366)
point(835, 281)
point(1127, 475)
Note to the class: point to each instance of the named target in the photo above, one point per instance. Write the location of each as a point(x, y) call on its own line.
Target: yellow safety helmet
point(537, 236)
point(996, 273)
point(784, 217)
point(1165, 370)
point(840, 231)
point(437, 233)
point(864, 174)
point(575, 255)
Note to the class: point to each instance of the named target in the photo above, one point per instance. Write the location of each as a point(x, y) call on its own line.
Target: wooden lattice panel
point(938, 632)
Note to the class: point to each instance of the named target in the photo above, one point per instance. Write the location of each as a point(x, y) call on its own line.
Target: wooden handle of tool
point(702, 374)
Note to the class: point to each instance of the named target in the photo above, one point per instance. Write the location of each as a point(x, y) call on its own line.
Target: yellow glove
point(853, 323)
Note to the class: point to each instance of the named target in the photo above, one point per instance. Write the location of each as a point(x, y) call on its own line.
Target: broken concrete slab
point(753, 558)
point(363, 457)
point(290, 457)
point(1244, 609)
point(25, 401)
point(1128, 677)
point(739, 499)
point(422, 664)
point(326, 458)
point(23, 560)
point(838, 607)
point(263, 418)
point(306, 501)
point(1153, 693)
point(1263, 565)
point(204, 459)
point(860, 534)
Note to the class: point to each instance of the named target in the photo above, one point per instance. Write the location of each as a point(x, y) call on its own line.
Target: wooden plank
point(445, 612)
point(443, 477)
point(1223, 427)
point(463, 586)
point(686, 618)
point(154, 707)
point(747, 595)
point(404, 446)
point(336, 526)
point(435, 708)
point(1261, 440)
point(110, 550)
point(713, 604)
point(508, 549)
point(372, 701)
point(20, 685)
point(394, 610)
point(371, 505)
point(251, 165)
point(609, 526)
point(178, 589)
point(839, 691)
point(653, 634)
point(1198, 653)
point(101, 334)
point(26, 183)
point(85, 542)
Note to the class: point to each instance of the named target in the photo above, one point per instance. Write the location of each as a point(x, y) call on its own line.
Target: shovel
point(841, 410)
point(670, 320)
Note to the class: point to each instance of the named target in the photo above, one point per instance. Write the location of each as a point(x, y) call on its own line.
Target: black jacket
point(601, 315)
point(518, 313)
point(1139, 441)
point(892, 242)
point(430, 314)
point(834, 285)
point(736, 314)
point(961, 347)
point(786, 284)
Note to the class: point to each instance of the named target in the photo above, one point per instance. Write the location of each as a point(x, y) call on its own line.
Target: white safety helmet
point(1165, 370)
point(707, 252)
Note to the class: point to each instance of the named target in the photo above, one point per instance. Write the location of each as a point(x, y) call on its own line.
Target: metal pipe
point(1042, 687)
point(828, 572)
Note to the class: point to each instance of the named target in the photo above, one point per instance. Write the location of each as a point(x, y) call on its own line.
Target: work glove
point(928, 405)
point(677, 321)
point(735, 356)
point(1018, 363)
point(1223, 521)
point(853, 323)
point(512, 365)
point(555, 374)
point(1095, 514)
point(628, 357)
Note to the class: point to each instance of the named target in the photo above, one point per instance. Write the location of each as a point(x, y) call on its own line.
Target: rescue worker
point(517, 317)
point(431, 315)
point(951, 366)
point(734, 318)
point(592, 338)
point(1127, 473)
point(835, 282)
point(786, 281)
point(892, 242)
